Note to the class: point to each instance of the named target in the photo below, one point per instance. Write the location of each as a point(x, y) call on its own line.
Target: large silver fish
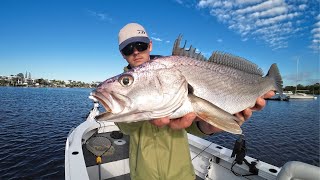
point(173, 86)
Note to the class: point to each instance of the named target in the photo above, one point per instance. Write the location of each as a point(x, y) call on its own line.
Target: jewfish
point(173, 86)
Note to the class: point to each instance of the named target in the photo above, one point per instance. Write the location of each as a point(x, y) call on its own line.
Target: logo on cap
point(141, 32)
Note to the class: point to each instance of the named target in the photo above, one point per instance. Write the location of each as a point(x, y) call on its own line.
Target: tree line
point(20, 80)
point(311, 89)
point(17, 79)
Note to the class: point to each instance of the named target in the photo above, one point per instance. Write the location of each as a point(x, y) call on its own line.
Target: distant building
point(27, 79)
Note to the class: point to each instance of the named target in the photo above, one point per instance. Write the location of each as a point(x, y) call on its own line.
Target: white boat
point(302, 96)
point(299, 95)
point(279, 97)
point(211, 161)
point(287, 93)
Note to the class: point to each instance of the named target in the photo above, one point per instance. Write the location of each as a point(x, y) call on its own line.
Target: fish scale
point(207, 78)
point(213, 89)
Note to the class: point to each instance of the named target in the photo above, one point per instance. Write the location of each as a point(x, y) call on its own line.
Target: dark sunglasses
point(140, 46)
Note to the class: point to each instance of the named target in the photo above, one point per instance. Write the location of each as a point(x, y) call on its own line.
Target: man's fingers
point(180, 123)
point(240, 116)
point(247, 113)
point(243, 115)
point(260, 103)
point(268, 94)
point(183, 122)
point(161, 122)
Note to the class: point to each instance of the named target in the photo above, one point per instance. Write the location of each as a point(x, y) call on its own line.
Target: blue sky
point(78, 40)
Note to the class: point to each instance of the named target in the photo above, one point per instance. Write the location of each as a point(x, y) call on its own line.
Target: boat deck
point(117, 152)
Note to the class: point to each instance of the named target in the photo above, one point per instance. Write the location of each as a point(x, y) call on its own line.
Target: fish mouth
point(112, 102)
point(103, 100)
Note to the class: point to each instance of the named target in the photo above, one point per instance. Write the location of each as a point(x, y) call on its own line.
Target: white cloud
point(245, 2)
point(315, 32)
point(179, 1)
point(156, 39)
point(244, 39)
point(303, 7)
point(205, 3)
point(273, 21)
point(101, 16)
point(276, 19)
point(270, 12)
point(261, 7)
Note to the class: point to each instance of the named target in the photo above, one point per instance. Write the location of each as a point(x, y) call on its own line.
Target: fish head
point(141, 95)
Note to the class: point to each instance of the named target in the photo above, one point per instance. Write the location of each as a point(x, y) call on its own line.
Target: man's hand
point(179, 123)
point(260, 104)
point(187, 120)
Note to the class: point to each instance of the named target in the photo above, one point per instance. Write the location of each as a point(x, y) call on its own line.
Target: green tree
point(21, 76)
point(41, 81)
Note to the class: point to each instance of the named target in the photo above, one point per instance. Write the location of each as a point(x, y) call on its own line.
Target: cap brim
point(133, 39)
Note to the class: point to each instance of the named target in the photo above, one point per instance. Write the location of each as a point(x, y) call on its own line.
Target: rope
point(201, 151)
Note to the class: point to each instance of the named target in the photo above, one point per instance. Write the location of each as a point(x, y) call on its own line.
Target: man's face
point(138, 57)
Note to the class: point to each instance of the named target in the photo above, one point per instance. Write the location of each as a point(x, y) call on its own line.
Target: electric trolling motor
point(239, 151)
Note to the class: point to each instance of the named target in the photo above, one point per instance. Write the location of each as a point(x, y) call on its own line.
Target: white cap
point(132, 32)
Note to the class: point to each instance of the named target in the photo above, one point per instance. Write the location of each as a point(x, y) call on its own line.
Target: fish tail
point(274, 74)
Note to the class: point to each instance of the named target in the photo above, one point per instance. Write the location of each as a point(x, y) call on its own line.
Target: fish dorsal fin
point(217, 57)
point(235, 62)
point(191, 52)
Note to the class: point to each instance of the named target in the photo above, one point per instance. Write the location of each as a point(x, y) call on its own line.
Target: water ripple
point(281, 132)
point(36, 121)
point(34, 125)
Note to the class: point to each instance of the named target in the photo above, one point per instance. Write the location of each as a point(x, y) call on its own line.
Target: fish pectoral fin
point(227, 124)
point(214, 115)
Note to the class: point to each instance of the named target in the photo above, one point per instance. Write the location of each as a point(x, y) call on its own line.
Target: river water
point(36, 121)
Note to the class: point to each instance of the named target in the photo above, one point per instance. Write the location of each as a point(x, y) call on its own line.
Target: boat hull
point(210, 160)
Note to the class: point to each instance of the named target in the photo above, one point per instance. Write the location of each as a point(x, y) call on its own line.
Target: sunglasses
point(140, 46)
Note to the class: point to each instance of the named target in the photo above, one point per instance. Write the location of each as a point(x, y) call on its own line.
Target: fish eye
point(126, 80)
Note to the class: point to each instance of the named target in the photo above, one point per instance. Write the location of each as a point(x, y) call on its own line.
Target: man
point(159, 148)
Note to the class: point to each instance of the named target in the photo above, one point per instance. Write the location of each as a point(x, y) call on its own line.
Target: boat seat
point(298, 170)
